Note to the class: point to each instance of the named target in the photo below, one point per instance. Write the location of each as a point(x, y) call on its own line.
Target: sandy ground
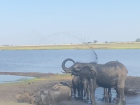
point(9, 90)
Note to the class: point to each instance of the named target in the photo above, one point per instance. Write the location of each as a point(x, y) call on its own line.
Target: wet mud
point(130, 99)
point(7, 94)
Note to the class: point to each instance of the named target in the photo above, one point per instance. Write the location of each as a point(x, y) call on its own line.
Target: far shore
point(121, 45)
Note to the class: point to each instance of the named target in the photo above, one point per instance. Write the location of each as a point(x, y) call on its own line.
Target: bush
point(137, 40)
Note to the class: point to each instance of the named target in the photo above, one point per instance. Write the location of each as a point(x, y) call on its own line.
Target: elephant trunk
point(85, 92)
point(67, 70)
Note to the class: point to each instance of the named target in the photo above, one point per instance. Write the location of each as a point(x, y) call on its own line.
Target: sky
point(40, 22)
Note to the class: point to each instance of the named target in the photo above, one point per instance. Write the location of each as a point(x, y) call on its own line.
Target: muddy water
point(130, 99)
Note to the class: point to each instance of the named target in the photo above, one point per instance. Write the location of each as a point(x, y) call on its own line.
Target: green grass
point(54, 77)
point(133, 45)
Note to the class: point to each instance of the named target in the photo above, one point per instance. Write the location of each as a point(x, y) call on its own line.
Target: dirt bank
point(43, 80)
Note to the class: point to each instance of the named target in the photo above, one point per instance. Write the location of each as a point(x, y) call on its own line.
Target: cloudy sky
point(36, 22)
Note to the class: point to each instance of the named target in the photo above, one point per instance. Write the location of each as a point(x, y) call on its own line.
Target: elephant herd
point(88, 76)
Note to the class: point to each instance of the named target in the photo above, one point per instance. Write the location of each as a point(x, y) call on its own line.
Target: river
point(46, 61)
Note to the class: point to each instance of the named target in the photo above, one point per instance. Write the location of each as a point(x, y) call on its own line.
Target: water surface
point(50, 60)
point(12, 78)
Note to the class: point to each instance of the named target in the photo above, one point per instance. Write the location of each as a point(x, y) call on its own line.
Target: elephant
point(24, 97)
point(108, 75)
point(107, 91)
point(132, 85)
point(85, 83)
point(77, 85)
point(56, 94)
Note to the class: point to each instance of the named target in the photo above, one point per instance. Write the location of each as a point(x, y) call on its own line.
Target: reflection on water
point(12, 78)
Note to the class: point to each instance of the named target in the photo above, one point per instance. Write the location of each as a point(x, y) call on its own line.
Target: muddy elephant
point(24, 97)
point(132, 85)
point(85, 83)
point(53, 96)
point(77, 86)
point(111, 74)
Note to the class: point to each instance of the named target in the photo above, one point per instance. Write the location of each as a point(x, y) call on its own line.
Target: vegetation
point(131, 45)
point(49, 78)
point(138, 40)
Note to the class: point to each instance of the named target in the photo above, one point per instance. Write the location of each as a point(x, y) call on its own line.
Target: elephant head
point(74, 69)
point(79, 69)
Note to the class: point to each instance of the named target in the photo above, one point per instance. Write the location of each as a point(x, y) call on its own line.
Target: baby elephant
point(85, 83)
point(58, 93)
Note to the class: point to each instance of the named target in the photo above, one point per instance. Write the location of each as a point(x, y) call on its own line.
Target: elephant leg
point(118, 94)
point(122, 97)
point(78, 91)
point(74, 89)
point(120, 88)
point(92, 91)
point(81, 91)
point(116, 99)
point(88, 93)
point(105, 95)
point(109, 94)
point(85, 91)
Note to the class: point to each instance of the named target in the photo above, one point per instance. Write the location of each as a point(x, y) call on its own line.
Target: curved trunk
point(85, 86)
point(67, 70)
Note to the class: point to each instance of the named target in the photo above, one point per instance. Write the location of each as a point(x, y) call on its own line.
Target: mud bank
point(8, 91)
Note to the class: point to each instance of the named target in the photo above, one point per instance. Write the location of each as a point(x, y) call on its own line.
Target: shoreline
point(131, 45)
point(28, 74)
point(37, 76)
point(41, 80)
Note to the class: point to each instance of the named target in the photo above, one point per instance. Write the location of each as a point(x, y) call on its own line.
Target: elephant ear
point(92, 72)
point(88, 72)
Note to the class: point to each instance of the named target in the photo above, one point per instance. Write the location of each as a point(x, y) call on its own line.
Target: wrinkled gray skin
point(112, 74)
point(53, 96)
point(77, 86)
